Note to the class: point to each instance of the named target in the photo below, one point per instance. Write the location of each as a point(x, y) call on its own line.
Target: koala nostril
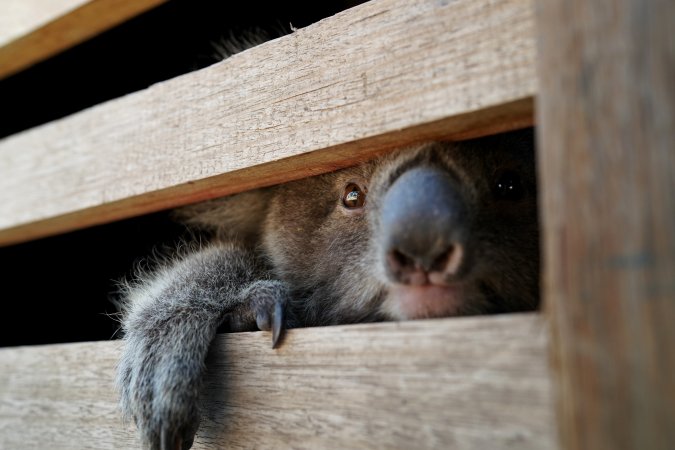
point(440, 262)
point(418, 271)
point(398, 261)
point(405, 269)
point(448, 262)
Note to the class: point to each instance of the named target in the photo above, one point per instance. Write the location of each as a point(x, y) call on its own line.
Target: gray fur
point(296, 247)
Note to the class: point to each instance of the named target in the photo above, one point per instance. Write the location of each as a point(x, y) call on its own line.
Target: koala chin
point(440, 229)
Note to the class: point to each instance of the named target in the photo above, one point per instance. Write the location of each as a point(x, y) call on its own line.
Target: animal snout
point(424, 224)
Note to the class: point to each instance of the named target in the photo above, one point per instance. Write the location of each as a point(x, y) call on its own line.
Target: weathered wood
point(607, 128)
point(382, 74)
point(20, 18)
point(469, 383)
point(34, 30)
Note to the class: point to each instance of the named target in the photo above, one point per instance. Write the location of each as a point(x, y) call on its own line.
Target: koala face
point(442, 229)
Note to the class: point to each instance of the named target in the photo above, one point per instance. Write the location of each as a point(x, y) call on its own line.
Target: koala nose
point(424, 226)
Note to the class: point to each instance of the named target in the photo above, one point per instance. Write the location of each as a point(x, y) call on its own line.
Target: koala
point(436, 230)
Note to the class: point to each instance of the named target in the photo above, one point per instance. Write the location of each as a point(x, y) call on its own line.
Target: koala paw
point(159, 381)
point(268, 299)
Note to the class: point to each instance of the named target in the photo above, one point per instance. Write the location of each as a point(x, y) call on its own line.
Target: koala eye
point(508, 185)
point(353, 197)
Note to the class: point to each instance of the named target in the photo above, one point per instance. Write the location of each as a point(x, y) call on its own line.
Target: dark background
point(58, 289)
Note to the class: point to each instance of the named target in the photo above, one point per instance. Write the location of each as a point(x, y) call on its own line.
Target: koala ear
point(240, 216)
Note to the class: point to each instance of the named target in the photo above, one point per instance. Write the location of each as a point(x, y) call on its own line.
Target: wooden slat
point(470, 383)
point(34, 30)
point(385, 73)
point(607, 153)
point(20, 18)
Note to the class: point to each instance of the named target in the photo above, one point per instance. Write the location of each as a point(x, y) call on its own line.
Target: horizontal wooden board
point(468, 383)
point(22, 17)
point(34, 30)
point(382, 74)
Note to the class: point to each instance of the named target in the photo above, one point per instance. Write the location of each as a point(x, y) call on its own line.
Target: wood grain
point(607, 123)
point(34, 30)
point(382, 74)
point(22, 17)
point(469, 383)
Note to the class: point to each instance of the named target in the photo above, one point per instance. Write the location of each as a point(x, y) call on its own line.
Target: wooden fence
point(593, 370)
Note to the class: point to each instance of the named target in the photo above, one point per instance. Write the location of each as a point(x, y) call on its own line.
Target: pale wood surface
point(385, 73)
point(34, 30)
point(470, 383)
point(21, 17)
point(607, 153)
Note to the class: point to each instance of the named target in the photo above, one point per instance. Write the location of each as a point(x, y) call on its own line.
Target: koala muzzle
point(424, 227)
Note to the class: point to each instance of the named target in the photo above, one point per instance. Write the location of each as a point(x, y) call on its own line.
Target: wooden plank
point(468, 383)
point(23, 17)
point(382, 74)
point(607, 122)
point(34, 30)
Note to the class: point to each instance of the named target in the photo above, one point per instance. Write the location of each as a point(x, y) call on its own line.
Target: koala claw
point(268, 300)
point(275, 323)
point(172, 440)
